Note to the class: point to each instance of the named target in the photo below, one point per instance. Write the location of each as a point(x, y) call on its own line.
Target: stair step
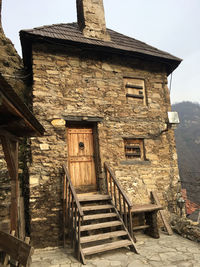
point(99, 216)
point(97, 207)
point(141, 227)
point(92, 238)
point(106, 247)
point(100, 225)
point(85, 198)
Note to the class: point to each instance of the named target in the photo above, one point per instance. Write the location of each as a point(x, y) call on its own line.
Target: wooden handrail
point(72, 214)
point(118, 185)
point(120, 199)
point(73, 191)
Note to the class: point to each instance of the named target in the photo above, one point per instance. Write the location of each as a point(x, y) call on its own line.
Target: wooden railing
point(72, 214)
point(119, 199)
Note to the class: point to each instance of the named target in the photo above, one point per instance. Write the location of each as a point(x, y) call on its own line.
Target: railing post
point(120, 203)
point(73, 235)
point(64, 208)
point(79, 242)
point(125, 212)
point(130, 222)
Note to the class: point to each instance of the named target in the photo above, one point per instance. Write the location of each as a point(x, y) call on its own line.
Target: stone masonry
point(69, 82)
point(91, 19)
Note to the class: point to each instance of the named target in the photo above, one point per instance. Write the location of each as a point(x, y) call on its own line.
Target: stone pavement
point(167, 251)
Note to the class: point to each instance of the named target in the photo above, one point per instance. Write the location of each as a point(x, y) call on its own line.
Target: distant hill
point(188, 147)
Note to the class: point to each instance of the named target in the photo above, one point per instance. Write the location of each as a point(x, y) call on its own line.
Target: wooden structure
point(81, 158)
point(97, 222)
point(16, 121)
point(15, 249)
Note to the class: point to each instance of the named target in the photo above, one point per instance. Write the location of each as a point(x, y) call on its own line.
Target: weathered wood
point(91, 238)
point(21, 223)
point(162, 215)
point(145, 208)
point(151, 220)
point(130, 235)
point(123, 200)
point(97, 207)
point(99, 216)
point(10, 148)
point(106, 247)
point(129, 85)
point(81, 156)
point(135, 96)
point(100, 225)
point(117, 184)
point(93, 197)
point(141, 227)
point(73, 191)
point(16, 248)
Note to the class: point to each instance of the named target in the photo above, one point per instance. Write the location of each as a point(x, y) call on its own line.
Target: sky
point(169, 25)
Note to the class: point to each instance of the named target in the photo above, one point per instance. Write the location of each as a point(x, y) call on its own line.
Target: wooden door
point(81, 158)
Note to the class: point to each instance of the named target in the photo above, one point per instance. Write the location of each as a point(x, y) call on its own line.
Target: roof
point(70, 33)
point(15, 117)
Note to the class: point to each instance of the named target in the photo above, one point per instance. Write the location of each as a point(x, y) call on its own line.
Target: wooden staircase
point(102, 228)
point(97, 223)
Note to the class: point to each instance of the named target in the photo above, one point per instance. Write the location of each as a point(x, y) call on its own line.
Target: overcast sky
point(170, 25)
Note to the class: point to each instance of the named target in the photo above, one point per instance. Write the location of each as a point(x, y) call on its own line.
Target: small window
point(135, 90)
point(134, 149)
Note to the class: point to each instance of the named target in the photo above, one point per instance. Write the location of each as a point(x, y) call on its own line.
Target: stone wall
point(72, 83)
point(186, 227)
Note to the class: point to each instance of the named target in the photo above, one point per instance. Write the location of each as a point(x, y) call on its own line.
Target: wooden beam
point(16, 248)
point(10, 148)
point(165, 222)
point(7, 134)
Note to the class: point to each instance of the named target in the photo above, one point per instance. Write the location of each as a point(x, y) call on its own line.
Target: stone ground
point(167, 251)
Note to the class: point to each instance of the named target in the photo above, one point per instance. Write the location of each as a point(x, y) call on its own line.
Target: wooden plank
point(106, 247)
point(93, 197)
point(16, 248)
point(99, 216)
point(79, 130)
point(145, 208)
point(21, 219)
point(100, 225)
point(91, 238)
point(141, 227)
point(162, 215)
point(81, 160)
point(97, 207)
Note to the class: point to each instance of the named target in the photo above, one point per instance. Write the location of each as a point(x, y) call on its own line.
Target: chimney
point(91, 19)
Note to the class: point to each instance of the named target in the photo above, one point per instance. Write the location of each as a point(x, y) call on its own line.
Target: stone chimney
point(91, 19)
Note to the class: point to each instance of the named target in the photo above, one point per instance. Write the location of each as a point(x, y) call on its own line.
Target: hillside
point(188, 147)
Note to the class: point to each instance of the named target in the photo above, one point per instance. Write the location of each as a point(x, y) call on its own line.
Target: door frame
point(94, 127)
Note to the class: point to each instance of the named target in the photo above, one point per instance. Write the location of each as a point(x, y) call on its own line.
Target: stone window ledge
point(135, 162)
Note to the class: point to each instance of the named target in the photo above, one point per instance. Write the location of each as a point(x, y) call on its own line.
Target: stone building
point(16, 122)
point(98, 91)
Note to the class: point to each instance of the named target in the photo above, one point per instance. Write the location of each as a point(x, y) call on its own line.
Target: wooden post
point(165, 222)
point(10, 148)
